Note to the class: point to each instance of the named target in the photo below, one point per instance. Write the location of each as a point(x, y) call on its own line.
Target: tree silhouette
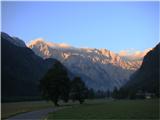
point(108, 93)
point(56, 85)
point(78, 90)
point(115, 93)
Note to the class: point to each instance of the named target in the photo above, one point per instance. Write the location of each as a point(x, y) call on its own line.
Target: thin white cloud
point(134, 53)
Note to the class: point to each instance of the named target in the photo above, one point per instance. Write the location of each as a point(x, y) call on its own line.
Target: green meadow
point(114, 109)
point(91, 109)
point(11, 109)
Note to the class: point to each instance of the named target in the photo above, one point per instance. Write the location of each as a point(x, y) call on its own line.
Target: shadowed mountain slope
point(146, 78)
point(21, 69)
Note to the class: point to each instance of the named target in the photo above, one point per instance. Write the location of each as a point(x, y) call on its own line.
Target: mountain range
point(99, 68)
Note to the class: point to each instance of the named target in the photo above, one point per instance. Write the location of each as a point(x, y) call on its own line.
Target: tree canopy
point(78, 90)
point(55, 84)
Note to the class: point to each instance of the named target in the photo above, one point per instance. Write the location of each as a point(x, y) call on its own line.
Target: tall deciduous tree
point(56, 85)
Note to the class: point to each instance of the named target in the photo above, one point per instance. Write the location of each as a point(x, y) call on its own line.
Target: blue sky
point(112, 25)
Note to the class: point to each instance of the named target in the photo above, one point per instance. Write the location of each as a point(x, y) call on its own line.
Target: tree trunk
point(56, 103)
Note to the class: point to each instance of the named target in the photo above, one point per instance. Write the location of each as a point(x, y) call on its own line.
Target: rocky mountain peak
point(100, 68)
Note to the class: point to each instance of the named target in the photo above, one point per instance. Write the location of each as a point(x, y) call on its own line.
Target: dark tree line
point(131, 93)
point(56, 86)
point(120, 93)
point(98, 94)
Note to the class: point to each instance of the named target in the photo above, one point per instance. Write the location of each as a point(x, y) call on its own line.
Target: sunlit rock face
point(134, 55)
point(99, 68)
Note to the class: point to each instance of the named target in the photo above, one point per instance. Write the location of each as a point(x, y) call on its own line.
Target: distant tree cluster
point(98, 94)
point(56, 86)
point(126, 93)
point(121, 93)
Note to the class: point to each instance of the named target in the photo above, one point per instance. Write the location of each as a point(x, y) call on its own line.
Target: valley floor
point(12, 109)
point(91, 109)
point(115, 109)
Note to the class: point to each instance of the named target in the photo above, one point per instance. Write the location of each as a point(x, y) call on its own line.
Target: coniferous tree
point(108, 93)
point(91, 94)
point(115, 93)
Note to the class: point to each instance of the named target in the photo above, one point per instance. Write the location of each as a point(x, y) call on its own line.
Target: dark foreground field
point(91, 109)
point(115, 109)
point(11, 109)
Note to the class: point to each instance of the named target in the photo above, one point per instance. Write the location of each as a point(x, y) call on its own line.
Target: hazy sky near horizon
point(112, 25)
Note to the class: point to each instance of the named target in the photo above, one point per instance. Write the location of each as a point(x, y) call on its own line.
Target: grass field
point(116, 109)
point(10, 109)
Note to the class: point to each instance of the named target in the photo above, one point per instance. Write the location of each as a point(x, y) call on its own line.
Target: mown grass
point(11, 109)
point(15, 108)
point(116, 109)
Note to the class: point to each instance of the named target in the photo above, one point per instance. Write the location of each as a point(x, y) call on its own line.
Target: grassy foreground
point(116, 109)
point(10, 109)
